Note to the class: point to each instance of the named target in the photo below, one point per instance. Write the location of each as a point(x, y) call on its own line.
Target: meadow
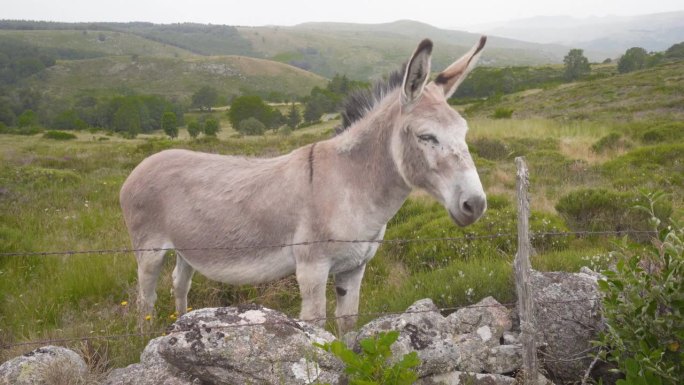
point(60, 195)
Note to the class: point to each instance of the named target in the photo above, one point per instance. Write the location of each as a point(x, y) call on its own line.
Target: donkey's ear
point(417, 73)
point(451, 77)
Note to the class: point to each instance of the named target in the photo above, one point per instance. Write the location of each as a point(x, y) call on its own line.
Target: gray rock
point(503, 359)
point(48, 364)
point(487, 318)
point(422, 329)
point(249, 345)
point(568, 307)
point(467, 341)
point(152, 370)
point(467, 378)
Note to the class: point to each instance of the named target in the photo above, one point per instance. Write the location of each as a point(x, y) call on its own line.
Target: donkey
point(219, 211)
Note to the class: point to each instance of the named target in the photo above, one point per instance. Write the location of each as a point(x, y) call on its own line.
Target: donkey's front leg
point(312, 278)
point(347, 288)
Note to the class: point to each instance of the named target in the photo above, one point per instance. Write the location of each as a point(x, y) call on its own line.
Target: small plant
point(59, 135)
point(643, 307)
point(503, 113)
point(371, 366)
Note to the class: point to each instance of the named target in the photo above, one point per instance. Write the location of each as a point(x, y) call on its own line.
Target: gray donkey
point(219, 211)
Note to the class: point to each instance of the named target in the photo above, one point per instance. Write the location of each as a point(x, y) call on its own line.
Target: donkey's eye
point(428, 138)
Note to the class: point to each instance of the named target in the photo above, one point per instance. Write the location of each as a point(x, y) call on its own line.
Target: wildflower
point(124, 303)
point(188, 308)
point(148, 317)
point(172, 316)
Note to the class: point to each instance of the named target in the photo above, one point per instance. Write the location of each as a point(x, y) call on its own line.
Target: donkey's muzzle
point(470, 209)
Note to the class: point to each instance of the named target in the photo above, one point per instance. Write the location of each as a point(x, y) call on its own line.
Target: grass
point(63, 195)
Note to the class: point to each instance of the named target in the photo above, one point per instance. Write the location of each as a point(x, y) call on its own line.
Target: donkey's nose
point(474, 205)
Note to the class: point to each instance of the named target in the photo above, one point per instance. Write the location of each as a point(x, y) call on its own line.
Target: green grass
point(63, 195)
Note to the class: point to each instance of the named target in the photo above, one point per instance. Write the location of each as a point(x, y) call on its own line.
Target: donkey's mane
point(360, 102)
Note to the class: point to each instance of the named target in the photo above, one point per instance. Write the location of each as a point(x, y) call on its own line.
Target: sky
point(451, 14)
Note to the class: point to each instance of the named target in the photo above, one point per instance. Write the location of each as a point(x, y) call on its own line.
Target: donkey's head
point(429, 144)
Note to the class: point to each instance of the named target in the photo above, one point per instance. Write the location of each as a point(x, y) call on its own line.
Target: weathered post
point(523, 269)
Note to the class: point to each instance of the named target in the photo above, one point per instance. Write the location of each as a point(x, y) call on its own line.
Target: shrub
point(607, 210)
point(211, 127)
point(663, 133)
point(612, 141)
point(194, 129)
point(251, 126)
point(371, 366)
point(59, 135)
point(643, 302)
point(503, 113)
point(492, 149)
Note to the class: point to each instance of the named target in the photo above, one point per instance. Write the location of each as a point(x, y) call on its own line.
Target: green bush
point(664, 133)
point(610, 142)
point(657, 167)
point(59, 135)
point(644, 309)
point(502, 113)
point(492, 149)
point(371, 366)
point(607, 210)
point(251, 126)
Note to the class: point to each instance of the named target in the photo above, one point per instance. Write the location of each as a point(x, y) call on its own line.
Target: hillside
point(176, 78)
point(75, 44)
point(654, 93)
point(364, 51)
point(361, 51)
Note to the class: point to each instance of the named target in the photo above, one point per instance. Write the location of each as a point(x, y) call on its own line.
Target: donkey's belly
point(244, 269)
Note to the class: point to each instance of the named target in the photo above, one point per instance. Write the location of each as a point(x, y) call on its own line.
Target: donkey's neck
point(366, 156)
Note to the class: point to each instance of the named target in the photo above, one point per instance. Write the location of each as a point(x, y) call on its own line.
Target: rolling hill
point(652, 94)
point(176, 78)
point(365, 51)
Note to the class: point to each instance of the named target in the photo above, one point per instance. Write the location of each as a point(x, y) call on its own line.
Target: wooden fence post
point(523, 269)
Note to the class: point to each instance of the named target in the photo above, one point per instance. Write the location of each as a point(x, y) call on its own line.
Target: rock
point(249, 345)
point(503, 359)
point(423, 330)
point(467, 378)
point(152, 370)
point(468, 341)
point(45, 365)
point(568, 310)
point(487, 318)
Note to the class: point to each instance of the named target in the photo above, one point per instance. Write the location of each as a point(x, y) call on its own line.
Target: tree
point(251, 126)
point(252, 106)
point(27, 118)
point(576, 64)
point(293, 117)
point(211, 127)
point(205, 98)
point(170, 124)
point(634, 59)
point(194, 129)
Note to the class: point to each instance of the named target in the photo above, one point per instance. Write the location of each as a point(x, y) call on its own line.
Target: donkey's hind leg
point(182, 279)
point(149, 265)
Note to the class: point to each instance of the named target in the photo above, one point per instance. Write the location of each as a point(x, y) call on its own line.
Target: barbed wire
point(472, 237)
point(288, 321)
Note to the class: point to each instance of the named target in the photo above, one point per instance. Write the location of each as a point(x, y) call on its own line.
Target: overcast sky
point(453, 14)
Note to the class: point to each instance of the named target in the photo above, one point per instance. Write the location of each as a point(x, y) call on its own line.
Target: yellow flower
point(673, 347)
point(124, 303)
point(188, 309)
point(148, 317)
point(172, 316)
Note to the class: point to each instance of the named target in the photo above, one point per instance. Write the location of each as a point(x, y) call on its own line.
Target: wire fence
point(474, 237)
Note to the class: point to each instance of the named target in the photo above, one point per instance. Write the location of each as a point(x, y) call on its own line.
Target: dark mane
point(362, 101)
